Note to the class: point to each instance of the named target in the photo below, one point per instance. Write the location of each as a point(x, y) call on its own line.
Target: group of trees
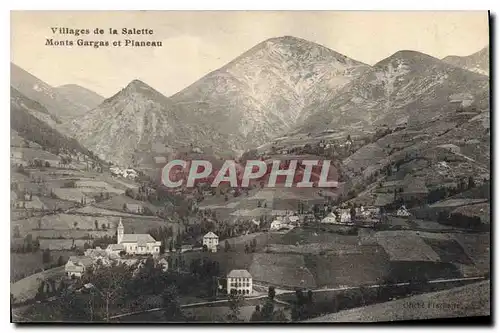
point(303, 307)
point(28, 245)
point(461, 220)
point(251, 246)
point(104, 226)
point(266, 312)
point(104, 290)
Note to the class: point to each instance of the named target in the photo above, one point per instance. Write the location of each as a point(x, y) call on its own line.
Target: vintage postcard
point(249, 166)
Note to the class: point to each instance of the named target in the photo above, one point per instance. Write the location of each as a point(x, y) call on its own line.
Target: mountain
point(478, 62)
point(27, 123)
point(58, 104)
point(404, 89)
point(263, 92)
point(81, 96)
point(130, 121)
point(245, 103)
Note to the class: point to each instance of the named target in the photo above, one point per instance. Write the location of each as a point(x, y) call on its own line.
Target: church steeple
point(120, 231)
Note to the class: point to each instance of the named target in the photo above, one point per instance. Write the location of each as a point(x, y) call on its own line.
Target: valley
point(409, 138)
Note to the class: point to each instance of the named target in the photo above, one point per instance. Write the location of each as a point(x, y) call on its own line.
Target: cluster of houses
point(131, 244)
point(287, 221)
point(344, 215)
point(125, 173)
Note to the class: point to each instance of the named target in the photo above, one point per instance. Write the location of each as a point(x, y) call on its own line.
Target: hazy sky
point(195, 43)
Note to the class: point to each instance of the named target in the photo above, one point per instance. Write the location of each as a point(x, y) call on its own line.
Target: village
point(92, 218)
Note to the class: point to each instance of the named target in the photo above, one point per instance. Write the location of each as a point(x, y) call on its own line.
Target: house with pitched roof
point(136, 243)
point(239, 281)
point(211, 240)
point(330, 218)
point(77, 265)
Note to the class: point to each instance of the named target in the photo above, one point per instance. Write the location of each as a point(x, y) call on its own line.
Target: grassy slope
point(469, 300)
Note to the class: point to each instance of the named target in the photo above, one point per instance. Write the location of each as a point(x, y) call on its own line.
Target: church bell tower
point(119, 232)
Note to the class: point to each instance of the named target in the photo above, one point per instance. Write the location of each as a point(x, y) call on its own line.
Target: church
point(134, 243)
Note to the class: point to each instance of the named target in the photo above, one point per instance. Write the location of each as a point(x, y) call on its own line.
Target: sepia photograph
point(250, 167)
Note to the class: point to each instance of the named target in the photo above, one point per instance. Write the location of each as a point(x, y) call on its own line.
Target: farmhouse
point(403, 212)
point(278, 223)
point(211, 240)
point(239, 281)
point(292, 219)
point(368, 212)
point(137, 243)
point(345, 216)
point(77, 265)
point(330, 218)
point(115, 249)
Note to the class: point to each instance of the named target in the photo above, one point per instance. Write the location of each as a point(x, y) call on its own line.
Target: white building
point(277, 224)
point(330, 218)
point(77, 265)
point(211, 240)
point(403, 212)
point(292, 219)
point(136, 243)
point(239, 281)
point(345, 216)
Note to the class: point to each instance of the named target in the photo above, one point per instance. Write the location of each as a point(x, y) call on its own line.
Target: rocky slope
point(81, 96)
point(478, 62)
point(243, 104)
point(30, 121)
point(263, 92)
point(128, 122)
point(406, 88)
point(58, 104)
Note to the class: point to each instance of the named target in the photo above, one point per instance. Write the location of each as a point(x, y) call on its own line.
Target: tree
point(17, 233)
point(60, 261)
point(103, 226)
point(353, 213)
point(28, 243)
point(46, 256)
point(234, 307)
point(256, 315)
point(170, 301)
point(109, 286)
point(227, 247)
point(471, 183)
point(253, 244)
point(271, 292)
point(96, 224)
point(267, 311)
point(75, 224)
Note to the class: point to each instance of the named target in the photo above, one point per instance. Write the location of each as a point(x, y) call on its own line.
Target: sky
point(196, 43)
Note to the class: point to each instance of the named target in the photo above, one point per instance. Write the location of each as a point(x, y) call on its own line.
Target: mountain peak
point(137, 84)
point(408, 57)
